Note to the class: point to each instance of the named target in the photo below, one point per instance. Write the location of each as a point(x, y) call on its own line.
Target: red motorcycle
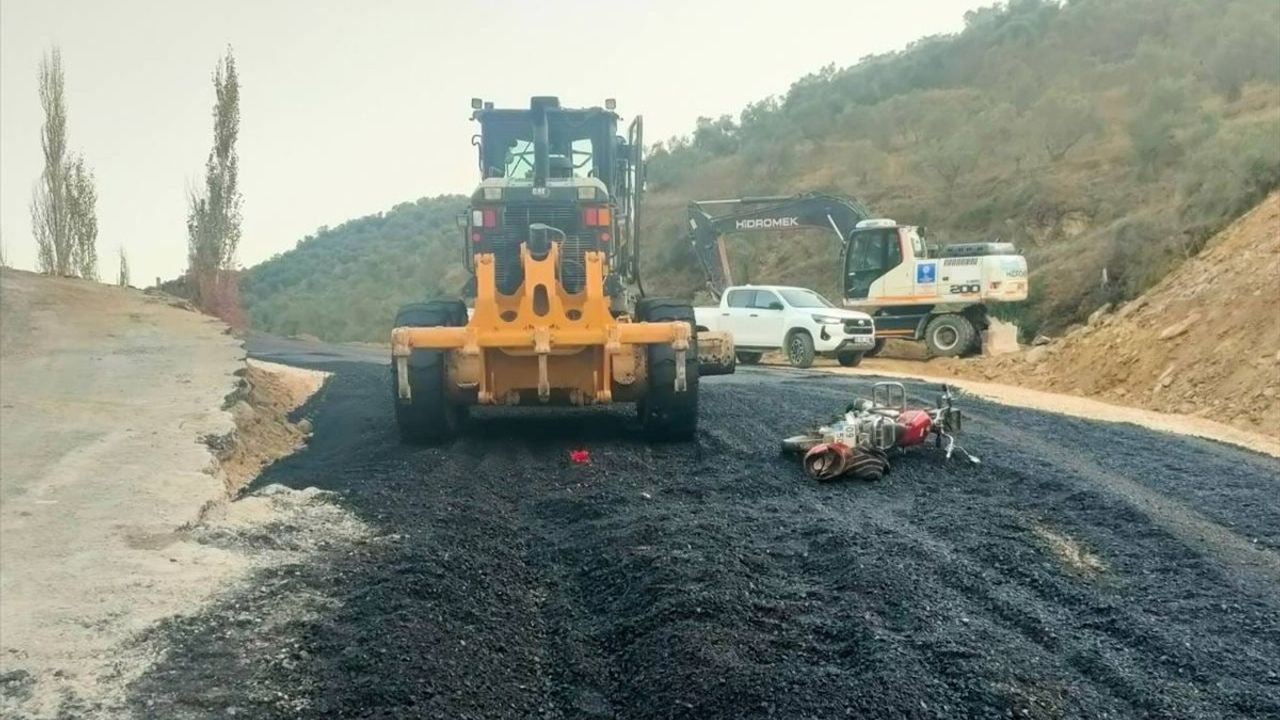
point(859, 444)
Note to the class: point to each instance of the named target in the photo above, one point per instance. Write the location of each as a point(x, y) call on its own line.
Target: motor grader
point(554, 312)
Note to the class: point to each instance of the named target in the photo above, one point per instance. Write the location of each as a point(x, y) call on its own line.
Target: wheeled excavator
point(554, 312)
point(913, 290)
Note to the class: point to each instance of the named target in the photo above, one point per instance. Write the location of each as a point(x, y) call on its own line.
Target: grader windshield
point(579, 144)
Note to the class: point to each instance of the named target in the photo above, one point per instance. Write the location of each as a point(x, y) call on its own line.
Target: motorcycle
point(859, 443)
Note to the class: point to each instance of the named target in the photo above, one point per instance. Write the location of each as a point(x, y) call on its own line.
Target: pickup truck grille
point(858, 327)
point(514, 230)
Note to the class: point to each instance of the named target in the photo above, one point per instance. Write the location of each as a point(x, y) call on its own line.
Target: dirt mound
point(268, 393)
point(1205, 341)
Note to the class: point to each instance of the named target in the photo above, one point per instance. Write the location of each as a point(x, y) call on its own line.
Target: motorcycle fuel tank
point(913, 427)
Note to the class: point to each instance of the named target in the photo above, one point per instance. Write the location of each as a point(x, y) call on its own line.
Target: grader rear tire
point(668, 415)
point(428, 416)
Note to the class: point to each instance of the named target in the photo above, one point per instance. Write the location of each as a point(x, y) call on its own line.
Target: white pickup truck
point(797, 321)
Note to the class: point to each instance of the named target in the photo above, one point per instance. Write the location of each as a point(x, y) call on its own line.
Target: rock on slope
point(1204, 341)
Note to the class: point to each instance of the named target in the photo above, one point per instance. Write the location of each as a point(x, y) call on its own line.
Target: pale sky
point(350, 107)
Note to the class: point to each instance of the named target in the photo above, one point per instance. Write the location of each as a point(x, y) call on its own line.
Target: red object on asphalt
point(580, 456)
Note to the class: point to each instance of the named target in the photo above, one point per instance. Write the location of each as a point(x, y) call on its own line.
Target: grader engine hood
point(507, 214)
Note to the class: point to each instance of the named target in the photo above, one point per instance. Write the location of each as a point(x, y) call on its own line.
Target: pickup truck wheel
point(799, 349)
point(949, 335)
point(849, 359)
point(428, 416)
point(875, 349)
point(665, 413)
point(750, 358)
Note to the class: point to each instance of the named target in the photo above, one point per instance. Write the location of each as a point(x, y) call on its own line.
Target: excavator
point(913, 290)
point(555, 311)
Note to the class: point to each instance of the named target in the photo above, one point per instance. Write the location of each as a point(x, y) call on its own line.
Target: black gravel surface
point(713, 580)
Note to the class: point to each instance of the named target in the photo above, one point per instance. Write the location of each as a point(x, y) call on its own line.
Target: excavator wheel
point(428, 416)
point(949, 335)
point(665, 413)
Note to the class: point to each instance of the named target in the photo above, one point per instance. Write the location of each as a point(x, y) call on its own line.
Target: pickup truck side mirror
point(775, 305)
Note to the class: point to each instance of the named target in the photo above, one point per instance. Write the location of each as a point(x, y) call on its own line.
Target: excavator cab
point(871, 252)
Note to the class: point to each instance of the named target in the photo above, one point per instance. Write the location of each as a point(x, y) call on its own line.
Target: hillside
point(1116, 135)
point(346, 283)
point(1098, 136)
point(1204, 341)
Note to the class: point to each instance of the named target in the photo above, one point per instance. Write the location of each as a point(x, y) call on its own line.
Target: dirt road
point(109, 489)
point(106, 394)
point(1084, 570)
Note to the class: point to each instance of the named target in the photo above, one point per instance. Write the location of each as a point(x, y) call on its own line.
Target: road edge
point(1088, 408)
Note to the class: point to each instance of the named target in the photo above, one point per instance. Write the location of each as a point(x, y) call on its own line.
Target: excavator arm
point(796, 212)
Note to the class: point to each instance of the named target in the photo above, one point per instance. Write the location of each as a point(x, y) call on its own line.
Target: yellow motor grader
point(554, 313)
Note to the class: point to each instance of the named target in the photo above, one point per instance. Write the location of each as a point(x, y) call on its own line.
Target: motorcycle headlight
point(827, 320)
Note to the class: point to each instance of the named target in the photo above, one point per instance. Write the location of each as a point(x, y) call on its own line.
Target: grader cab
point(557, 314)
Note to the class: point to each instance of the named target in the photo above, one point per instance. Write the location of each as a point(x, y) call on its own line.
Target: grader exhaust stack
point(557, 315)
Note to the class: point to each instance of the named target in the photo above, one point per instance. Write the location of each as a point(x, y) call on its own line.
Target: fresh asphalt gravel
point(713, 580)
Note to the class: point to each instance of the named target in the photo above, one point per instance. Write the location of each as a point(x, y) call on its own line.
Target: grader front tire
point(668, 415)
point(428, 416)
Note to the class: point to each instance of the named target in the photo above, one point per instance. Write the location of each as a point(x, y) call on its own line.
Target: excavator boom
point(807, 211)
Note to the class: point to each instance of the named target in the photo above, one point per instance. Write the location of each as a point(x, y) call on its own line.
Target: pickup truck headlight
point(827, 320)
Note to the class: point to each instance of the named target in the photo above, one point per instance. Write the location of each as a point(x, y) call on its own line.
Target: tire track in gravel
point(712, 580)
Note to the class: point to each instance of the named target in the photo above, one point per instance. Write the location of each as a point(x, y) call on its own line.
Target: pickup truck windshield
point(804, 299)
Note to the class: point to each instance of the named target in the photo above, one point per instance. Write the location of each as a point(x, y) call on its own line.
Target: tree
point(717, 137)
point(868, 163)
point(64, 201)
point(1151, 130)
point(1064, 120)
point(1245, 55)
point(213, 218)
point(48, 199)
point(82, 219)
point(123, 278)
point(952, 158)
